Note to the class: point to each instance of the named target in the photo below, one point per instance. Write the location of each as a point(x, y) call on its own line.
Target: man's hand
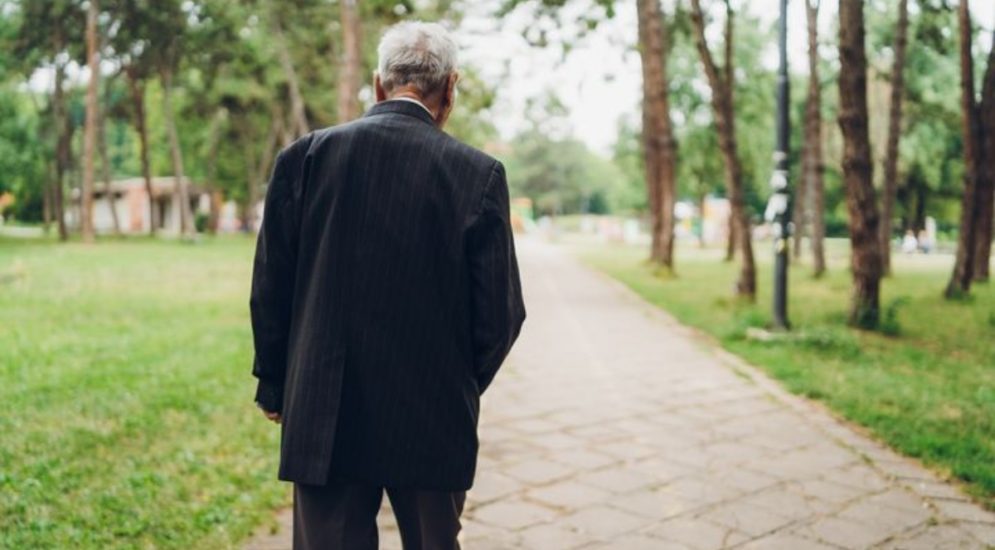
point(272, 416)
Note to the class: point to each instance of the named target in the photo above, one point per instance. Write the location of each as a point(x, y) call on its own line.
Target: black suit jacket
point(385, 296)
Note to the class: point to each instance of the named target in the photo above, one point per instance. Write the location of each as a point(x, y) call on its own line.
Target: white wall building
point(131, 202)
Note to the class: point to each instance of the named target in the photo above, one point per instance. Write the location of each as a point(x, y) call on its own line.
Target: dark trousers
point(343, 516)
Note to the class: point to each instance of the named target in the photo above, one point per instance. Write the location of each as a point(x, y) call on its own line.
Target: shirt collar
point(415, 101)
point(408, 108)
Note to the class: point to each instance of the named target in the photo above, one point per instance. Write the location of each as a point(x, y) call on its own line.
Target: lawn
point(928, 391)
point(126, 407)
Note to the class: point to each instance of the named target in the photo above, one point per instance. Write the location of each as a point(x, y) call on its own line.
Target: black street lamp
point(778, 207)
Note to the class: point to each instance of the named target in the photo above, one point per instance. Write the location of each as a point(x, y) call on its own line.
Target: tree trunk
point(186, 227)
point(986, 181)
point(800, 212)
point(894, 134)
point(701, 214)
point(917, 207)
point(90, 130)
point(257, 169)
point(105, 164)
point(61, 151)
point(214, 136)
point(724, 110)
point(730, 237)
point(106, 170)
point(963, 274)
point(812, 173)
point(298, 111)
point(658, 138)
point(865, 255)
point(351, 65)
point(138, 106)
point(46, 204)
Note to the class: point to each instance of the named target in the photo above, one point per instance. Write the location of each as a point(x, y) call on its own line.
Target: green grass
point(928, 391)
point(126, 414)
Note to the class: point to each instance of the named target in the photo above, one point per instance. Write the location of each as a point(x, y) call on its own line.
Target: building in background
point(131, 202)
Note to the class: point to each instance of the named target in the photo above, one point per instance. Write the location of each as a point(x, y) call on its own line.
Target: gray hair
point(416, 53)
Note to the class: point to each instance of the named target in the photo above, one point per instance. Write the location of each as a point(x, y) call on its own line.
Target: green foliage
point(22, 154)
point(929, 391)
point(562, 176)
point(890, 324)
point(559, 173)
point(628, 158)
point(470, 121)
point(230, 88)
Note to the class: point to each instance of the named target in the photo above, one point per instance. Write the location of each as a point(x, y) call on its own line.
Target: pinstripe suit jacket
point(385, 296)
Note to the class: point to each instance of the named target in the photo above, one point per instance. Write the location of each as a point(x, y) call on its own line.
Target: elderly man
point(385, 296)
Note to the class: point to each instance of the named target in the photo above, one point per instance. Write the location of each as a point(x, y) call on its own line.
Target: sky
point(600, 80)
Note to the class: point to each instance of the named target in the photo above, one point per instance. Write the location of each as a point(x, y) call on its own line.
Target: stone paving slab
point(614, 427)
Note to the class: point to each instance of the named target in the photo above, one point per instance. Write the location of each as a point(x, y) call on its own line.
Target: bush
point(889, 318)
point(200, 220)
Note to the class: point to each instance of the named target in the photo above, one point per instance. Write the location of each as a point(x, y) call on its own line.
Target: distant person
point(385, 296)
point(910, 245)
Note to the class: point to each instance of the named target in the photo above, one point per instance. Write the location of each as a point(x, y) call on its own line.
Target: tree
point(62, 151)
point(49, 34)
point(722, 84)
point(865, 255)
point(135, 52)
point(168, 23)
point(986, 177)
point(894, 134)
point(90, 131)
point(298, 112)
point(349, 75)
point(963, 273)
point(105, 164)
point(813, 182)
point(659, 148)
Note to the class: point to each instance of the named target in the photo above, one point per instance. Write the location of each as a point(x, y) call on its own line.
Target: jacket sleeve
point(495, 288)
point(273, 275)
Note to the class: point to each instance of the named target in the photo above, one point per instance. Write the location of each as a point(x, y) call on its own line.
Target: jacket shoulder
point(469, 153)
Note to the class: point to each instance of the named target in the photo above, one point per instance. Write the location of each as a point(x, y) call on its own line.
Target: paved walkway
point(612, 426)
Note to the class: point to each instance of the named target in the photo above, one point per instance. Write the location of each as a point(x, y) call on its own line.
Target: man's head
point(418, 60)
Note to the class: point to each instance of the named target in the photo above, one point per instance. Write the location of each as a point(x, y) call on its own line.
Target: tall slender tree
point(986, 179)
point(136, 88)
point(134, 53)
point(812, 163)
point(176, 152)
point(90, 130)
point(865, 253)
point(61, 144)
point(801, 211)
point(894, 134)
point(659, 149)
point(722, 85)
point(105, 165)
point(352, 59)
point(298, 109)
point(167, 30)
point(50, 34)
point(963, 273)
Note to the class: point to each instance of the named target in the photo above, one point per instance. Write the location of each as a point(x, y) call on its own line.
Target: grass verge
point(126, 407)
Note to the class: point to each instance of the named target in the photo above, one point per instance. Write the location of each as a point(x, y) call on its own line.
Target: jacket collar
point(401, 107)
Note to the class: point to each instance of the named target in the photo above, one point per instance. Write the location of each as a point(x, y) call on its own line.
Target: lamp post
point(778, 206)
